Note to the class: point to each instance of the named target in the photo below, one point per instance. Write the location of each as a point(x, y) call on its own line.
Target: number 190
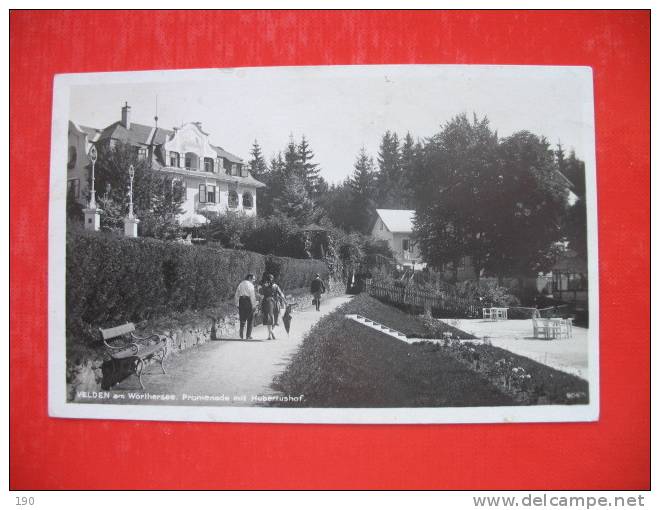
point(24, 500)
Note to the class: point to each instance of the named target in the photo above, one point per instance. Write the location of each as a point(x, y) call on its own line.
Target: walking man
point(246, 301)
point(317, 288)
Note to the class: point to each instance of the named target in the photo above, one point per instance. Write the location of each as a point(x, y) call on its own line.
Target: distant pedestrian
point(317, 288)
point(270, 304)
point(246, 301)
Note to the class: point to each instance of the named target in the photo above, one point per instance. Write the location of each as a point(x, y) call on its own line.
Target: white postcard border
point(59, 407)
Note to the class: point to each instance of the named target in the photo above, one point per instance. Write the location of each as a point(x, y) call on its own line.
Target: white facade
point(203, 171)
point(395, 227)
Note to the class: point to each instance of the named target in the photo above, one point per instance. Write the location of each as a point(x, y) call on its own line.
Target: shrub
point(295, 273)
point(488, 293)
point(112, 279)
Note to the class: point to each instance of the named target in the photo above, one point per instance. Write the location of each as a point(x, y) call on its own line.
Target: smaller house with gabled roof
point(395, 226)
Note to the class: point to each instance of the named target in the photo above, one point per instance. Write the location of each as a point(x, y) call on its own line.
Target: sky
point(340, 109)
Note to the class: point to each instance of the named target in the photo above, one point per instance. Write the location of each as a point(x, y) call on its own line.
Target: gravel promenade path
point(232, 370)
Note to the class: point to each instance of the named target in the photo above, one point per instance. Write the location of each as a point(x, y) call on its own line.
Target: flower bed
point(525, 380)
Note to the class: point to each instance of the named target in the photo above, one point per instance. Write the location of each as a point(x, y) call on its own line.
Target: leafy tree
point(532, 199)
point(157, 197)
point(575, 227)
point(337, 203)
point(161, 220)
point(230, 228)
point(363, 190)
point(455, 175)
point(278, 235)
point(573, 169)
point(74, 211)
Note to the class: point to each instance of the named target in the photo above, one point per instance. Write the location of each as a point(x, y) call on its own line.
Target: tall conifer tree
point(363, 188)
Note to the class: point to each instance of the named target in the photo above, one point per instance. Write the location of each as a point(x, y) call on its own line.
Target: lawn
point(344, 364)
point(413, 326)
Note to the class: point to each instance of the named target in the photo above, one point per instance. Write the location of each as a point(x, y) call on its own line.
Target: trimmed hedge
point(112, 279)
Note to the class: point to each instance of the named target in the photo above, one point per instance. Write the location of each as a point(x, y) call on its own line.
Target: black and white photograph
point(325, 244)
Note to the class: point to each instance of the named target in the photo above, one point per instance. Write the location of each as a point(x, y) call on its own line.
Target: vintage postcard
point(330, 244)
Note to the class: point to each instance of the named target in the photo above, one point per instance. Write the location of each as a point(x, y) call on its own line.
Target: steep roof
point(397, 220)
point(227, 155)
point(140, 134)
point(161, 135)
point(137, 134)
point(92, 133)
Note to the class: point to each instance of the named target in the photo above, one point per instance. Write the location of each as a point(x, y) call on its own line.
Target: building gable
point(190, 138)
point(397, 220)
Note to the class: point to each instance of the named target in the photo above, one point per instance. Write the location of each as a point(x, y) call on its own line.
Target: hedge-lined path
point(232, 368)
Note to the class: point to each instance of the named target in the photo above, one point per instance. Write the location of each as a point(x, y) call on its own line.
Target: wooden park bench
point(127, 356)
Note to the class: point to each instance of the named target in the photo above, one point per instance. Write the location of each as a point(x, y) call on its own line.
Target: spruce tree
point(294, 202)
point(292, 162)
point(363, 188)
point(309, 171)
point(389, 176)
point(407, 172)
point(257, 163)
point(274, 179)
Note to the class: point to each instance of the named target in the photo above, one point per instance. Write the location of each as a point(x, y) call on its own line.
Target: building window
point(405, 244)
point(233, 199)
point(247, 200)
point(218, 165)
point(74, 188)
point(244, 171)
point(234, 169)
point(192, 161)
point(142, 153)
point(210, 194)
point(73, 156)
point(174, 159)
point(202, 193)
point(208, 164)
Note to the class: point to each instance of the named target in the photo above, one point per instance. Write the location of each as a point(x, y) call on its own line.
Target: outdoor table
point(495, 313)
point(499, 313)
point(555, 327)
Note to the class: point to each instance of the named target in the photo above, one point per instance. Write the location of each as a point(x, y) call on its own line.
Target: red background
point(611, 453)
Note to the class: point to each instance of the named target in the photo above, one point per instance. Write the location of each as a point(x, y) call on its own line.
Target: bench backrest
point(117, 331)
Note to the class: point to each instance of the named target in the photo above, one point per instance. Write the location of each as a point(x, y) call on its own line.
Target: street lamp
point(92, 194)
point(131, 222)
point(131, 175)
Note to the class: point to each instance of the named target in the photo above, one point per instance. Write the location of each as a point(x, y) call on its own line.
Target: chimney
point(126, 116)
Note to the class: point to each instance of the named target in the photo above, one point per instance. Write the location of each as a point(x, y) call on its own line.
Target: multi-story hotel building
point(213, 179)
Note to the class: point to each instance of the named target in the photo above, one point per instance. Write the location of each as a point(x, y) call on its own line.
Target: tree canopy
point(501, 202)
point(157, 197)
